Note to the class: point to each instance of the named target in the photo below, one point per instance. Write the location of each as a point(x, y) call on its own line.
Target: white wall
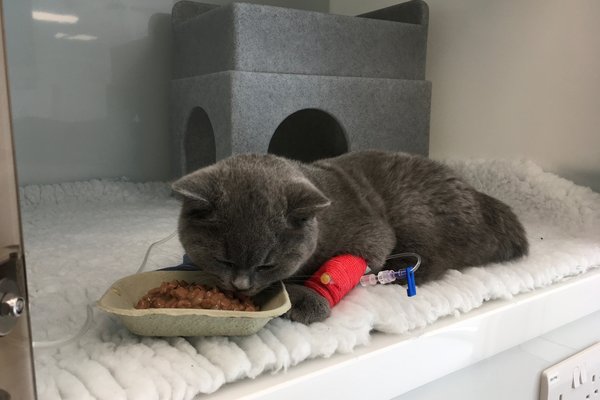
point(513, 78)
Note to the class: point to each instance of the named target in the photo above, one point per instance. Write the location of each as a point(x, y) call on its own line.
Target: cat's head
point(249, 220)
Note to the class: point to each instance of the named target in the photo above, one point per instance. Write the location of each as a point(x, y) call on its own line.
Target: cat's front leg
point(375, 243)
point(307, 305)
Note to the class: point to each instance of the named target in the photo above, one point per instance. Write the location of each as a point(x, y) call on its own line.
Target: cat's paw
point(307, 305)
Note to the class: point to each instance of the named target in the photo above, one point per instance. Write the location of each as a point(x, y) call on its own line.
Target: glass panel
point(90, 87)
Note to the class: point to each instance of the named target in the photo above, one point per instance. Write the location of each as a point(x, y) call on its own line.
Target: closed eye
point(226, 263)
point(265, 268)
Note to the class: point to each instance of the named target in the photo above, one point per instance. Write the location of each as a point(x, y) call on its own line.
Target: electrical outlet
point(576, 378)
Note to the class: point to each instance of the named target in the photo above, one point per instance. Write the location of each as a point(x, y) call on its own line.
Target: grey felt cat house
point(306, 85)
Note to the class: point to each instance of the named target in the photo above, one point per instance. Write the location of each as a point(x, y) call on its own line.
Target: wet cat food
point(181, 294)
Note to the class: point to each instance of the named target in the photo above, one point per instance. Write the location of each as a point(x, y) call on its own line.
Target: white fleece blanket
point(80, 237)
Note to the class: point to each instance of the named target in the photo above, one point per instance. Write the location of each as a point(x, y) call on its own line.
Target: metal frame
point(17, 379)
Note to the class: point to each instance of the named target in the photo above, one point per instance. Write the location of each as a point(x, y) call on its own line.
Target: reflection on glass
point(61, 35)
point(53, 17)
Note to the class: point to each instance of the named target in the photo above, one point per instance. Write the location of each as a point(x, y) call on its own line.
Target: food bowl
point(122, 296)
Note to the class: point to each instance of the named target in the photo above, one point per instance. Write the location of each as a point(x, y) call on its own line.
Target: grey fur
point(252, 220)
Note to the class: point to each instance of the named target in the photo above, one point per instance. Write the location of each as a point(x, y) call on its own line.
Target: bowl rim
point(134, 312)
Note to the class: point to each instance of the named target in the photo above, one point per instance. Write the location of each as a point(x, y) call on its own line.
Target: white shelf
point(395, 364)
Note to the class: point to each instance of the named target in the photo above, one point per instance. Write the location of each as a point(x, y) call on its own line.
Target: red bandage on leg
point(337, 277)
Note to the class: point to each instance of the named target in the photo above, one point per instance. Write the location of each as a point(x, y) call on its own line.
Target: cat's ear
point(305, 200)
point(195, 186)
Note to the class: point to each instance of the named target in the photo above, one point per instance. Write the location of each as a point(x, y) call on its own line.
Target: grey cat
point(253, 220)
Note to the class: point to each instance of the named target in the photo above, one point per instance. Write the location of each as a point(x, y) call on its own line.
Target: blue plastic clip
point(411, 290)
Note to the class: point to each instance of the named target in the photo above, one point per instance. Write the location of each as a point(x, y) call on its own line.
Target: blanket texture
point(80, 237)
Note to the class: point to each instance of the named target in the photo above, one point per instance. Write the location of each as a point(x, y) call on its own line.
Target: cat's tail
point(505, 228)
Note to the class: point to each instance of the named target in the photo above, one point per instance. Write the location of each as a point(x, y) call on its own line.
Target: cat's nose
point(241, 283)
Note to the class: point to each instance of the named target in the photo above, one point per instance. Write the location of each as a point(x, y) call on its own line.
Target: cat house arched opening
point(308, 135)
point(198, 141)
